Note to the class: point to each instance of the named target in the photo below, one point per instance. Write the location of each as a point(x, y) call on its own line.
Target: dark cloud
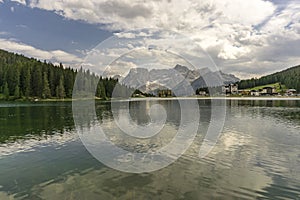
point(125, 10)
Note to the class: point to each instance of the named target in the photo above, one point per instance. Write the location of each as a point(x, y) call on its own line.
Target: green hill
point(278, 87)
point(289, 78)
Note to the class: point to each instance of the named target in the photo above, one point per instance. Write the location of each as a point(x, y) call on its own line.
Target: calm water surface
point(257, 155)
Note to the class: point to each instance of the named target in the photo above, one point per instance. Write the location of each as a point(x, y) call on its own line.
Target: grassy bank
point(278, 87)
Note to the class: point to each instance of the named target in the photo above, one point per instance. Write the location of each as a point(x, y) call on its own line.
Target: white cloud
point(245, 12)
point(232, 52)
point(285, 23)
point(205, 21)
point(30, 51)
point(246, 32)
point(125, 35)
point(21, 26)
point(20, 1)
point(3, 33)
point(175, 14)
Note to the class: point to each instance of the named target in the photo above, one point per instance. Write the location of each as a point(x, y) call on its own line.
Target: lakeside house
point(202, 93)
point(230, 89)
point(268, 91)
point(291, 92)
point(244, 92)
point(165, 93)
point(255, 93)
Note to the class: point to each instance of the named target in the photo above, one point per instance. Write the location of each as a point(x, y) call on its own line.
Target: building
point(291, 92)
point(202, 93)
point(230, 89)
point(165, 93)
point(254, 93)
point(244, 92)
point(268, 91)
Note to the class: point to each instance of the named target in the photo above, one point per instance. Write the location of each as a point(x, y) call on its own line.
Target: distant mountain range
point(180, 79)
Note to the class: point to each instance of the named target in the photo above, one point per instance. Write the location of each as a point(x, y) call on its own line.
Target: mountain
point(288, 77)
point(190, 75)
point(180, 79)
point(214, 79)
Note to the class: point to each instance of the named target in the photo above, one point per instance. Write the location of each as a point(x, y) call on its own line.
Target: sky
point(245, 38)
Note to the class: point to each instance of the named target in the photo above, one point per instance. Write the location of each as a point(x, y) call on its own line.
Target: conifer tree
point(60, 90)
point(6, 91)
point(17, 92)
point(46, 89)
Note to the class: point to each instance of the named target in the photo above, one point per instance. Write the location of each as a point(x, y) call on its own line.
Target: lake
point(257, 155)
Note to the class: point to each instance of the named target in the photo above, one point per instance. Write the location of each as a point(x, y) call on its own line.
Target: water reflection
point(19, 120)
point(257, 155)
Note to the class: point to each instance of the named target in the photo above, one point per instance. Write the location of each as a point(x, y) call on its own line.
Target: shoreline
point(159, 98)
point(220, 97)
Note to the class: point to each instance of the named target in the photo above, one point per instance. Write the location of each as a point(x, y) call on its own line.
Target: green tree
point(46, 89)
point(69, 78)
point(27, 85)
point(60, 90)
point(13, 77)
point(6, 91)
point(101, 90)
point(17, 92)
point(37, 81)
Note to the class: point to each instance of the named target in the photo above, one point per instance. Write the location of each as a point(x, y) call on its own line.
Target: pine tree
point(37, 81)
point(46, 89)
point(6, 91)
point(17, 92)
point(101, 89)
point(27, 88)
point(60, 90)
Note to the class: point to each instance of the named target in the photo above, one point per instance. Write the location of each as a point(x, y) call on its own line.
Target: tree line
point(289, 78)
point(22, 77)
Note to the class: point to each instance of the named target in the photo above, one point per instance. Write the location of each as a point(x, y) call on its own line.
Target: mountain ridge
point(181, 78)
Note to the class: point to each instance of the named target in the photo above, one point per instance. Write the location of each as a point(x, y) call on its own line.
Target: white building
point(268, 91)
point(254, 93)
point(291, 92)
point(230, 89)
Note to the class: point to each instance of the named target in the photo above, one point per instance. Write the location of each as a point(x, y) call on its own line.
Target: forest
point(28, 78)
point(289, 77)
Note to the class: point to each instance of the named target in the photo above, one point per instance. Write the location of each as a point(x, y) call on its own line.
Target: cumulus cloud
point(20, 1)
point(232, 52)
point(171, 14)
point(30, 51)
point(238, 34)
point(3, 33)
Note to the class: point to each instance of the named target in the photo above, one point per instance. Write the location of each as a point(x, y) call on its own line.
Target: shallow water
point(256, 157)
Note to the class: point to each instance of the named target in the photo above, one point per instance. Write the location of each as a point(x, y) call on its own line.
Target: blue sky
point(46, 30)
point(242, 37)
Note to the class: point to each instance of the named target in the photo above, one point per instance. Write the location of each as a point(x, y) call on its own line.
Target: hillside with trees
point(28, 78)
point(290, 78)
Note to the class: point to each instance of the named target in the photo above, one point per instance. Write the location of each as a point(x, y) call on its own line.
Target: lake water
point(256, 157)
